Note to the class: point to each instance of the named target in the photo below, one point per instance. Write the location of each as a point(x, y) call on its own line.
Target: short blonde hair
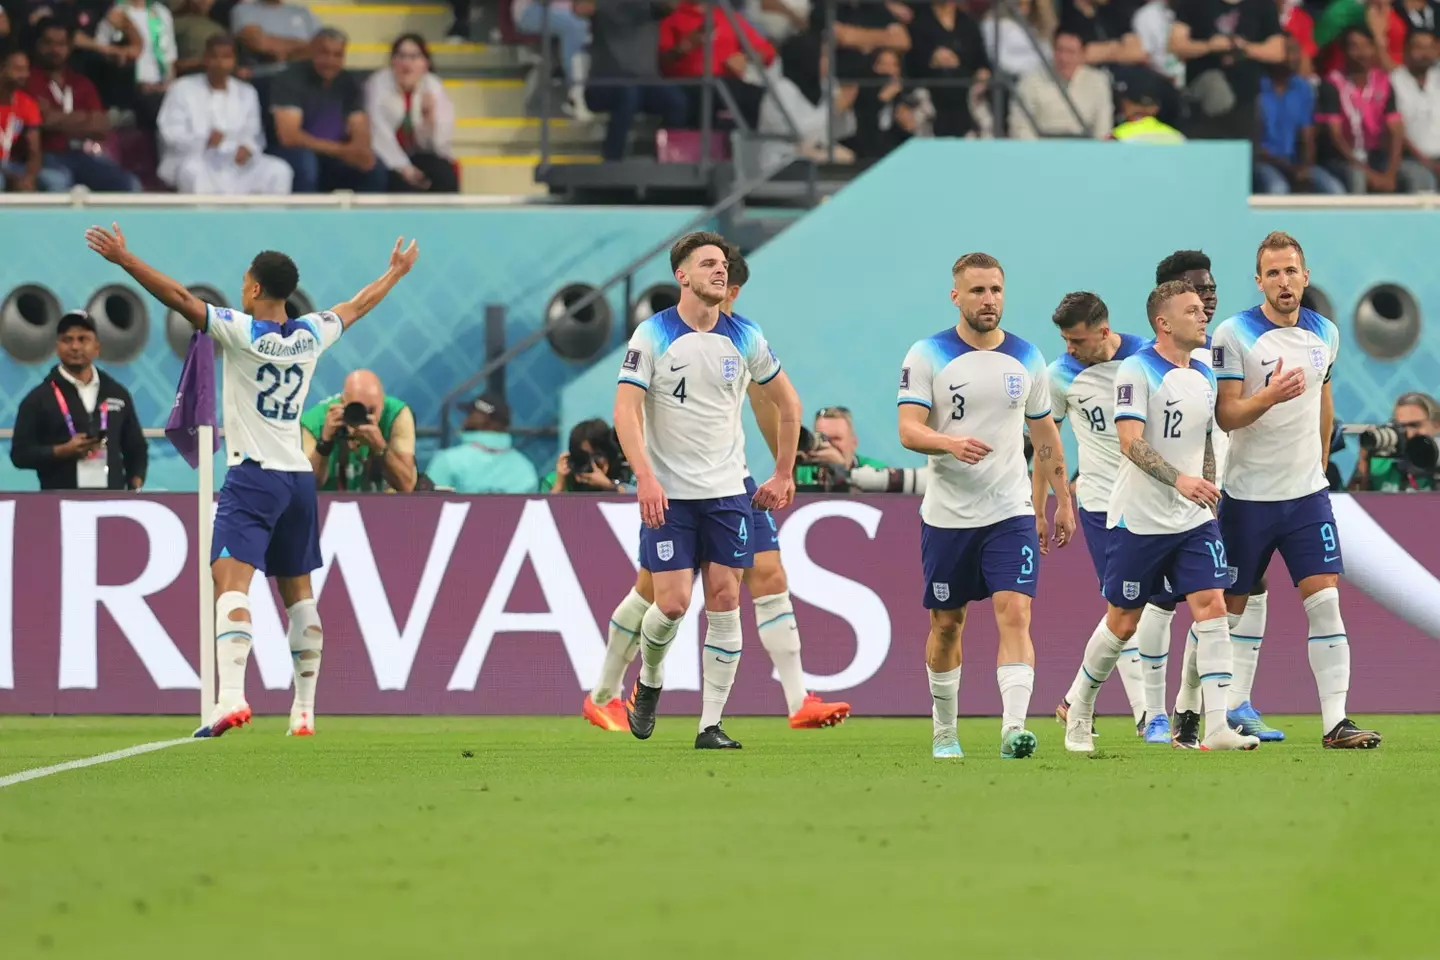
point(976, 261)
point(1278, 240)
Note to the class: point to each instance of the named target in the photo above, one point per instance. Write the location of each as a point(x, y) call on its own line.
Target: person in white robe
point(211, 141)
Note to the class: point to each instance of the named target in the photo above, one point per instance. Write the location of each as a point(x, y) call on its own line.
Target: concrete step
point(450, 58)
point(507, 176)
point(523, 132)
point(487, 98)
point(382, 22)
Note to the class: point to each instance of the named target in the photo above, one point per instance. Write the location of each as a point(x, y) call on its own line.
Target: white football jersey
point(1088, 392)
point(985, 394)
point(268, 368)
point(1219, 439)
point(694, 387)
point(1177, 407)
point(1278, 456)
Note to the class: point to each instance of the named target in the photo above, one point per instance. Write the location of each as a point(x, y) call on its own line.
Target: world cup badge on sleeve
point(1014, 386)
point(904, 378)
point(941, 591)
point(632, 360)
point(224, 313)
point(1317, 358)
point(1131, 589)
point(730, 368)
point(1217, 354)
point(1125, 394)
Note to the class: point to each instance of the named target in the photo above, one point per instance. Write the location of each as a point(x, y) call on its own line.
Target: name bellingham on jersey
point(694, 385)
point(986, 394)
point(268, 368)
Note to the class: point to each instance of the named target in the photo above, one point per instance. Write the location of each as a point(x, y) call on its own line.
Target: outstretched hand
point(109, 245)
point(402, 260)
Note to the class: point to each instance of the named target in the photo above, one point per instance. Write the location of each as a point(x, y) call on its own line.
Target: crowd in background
point(211, 96)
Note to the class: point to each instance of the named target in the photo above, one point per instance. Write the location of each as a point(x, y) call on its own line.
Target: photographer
point(1400, 456)
point(485, 460)
point(361, 440)
point(827, 460)
point(593, 463)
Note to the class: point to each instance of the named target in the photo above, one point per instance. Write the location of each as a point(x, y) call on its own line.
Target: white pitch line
point(38, 772)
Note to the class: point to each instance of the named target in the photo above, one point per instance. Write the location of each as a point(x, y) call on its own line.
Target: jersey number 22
point(271, 407)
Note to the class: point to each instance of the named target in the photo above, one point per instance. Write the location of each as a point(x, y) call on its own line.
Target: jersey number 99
point(271, 407)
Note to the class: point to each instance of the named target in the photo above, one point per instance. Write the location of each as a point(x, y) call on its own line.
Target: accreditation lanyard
point(92, 473)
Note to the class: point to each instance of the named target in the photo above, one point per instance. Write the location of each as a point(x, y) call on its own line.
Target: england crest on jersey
point(941, 591)
point(1131, 589)
point(730, 368)
point(1014, 385)
point(1317, 358)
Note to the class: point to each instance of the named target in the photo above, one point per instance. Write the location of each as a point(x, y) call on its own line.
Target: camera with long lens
point(582, 461)
point(355, 414)
point(1417, 455)
point(812, 476)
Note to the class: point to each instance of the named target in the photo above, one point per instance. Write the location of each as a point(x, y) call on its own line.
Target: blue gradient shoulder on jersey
point(1322, 326)
point(1064, 371)
point(1130, 345)
point(663, 329)
point(311, 322)
point(1153, 366)
point(939, 349)
point(1204, 368)
point(286, 330)
point(740, 331)
point(1026, 352)
point(1247, 326)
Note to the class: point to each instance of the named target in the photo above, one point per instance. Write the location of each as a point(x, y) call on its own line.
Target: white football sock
point(656, 632)
point(232, 647)
point(945, 698)
point(1212, 659)
point(775, 620)
point(1132, 677)
point(306, 642)
point(1081, 681)
point(718, 664)
point(1152, 637)
point(1017, 682)
point(621, 645)
point(1187, 698)
point(1247, 632)
point(1101, 653)
point(1329, 650)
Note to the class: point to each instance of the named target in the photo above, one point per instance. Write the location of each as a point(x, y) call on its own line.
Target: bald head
point(363, 386)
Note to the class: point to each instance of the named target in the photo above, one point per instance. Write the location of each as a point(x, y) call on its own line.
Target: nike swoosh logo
point(1031, 580)
point(1171, 403)
point(1086, 399)
point(1334, 645)
point(1332, 559)
point(957, 387)
point(741, 553)
point(679, 368)
point(1157, 666)
point(1269, 363)
point(1222, 686)
point(1225, 574)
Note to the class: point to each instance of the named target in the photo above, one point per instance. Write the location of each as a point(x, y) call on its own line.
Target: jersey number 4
point(271, 407)
point(679, 391)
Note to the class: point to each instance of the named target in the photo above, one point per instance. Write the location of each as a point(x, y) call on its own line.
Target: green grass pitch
point(499, 838)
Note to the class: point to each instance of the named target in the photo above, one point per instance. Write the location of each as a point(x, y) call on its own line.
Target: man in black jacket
point(79, 429)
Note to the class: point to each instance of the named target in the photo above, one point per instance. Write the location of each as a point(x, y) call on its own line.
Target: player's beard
point(1284, 309)
point(981, 322)
point(707, 294)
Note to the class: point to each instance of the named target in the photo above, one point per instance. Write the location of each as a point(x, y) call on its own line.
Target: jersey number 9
point(270, 407)
point(1095, 416)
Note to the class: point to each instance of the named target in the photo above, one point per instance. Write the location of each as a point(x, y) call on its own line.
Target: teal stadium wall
point(425, 340)
point(843, 293)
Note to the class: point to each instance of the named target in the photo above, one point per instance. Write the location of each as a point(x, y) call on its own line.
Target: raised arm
point(172, 293)
point(370, 296)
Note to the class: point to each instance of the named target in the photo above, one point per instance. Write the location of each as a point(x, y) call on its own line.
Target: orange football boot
point(815, 713)
point(610, 717)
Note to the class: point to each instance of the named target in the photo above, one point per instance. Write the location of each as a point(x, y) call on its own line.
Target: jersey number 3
point(271, 407)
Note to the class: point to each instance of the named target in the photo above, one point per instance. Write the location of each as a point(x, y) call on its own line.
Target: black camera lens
point(355, 414)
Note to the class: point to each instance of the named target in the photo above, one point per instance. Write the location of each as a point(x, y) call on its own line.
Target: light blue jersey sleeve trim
point(636, 383)
point(1037, 416)
point(1129, 416)
point(771, 377)
point(1229, 376)
point(919, 403)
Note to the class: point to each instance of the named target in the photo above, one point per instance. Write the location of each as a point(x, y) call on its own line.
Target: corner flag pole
point(204, 528)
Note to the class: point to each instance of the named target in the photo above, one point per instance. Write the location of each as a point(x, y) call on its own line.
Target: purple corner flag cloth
point(194, 400)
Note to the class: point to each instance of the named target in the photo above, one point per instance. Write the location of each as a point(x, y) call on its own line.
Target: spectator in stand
point(1041, 109)
point(1016, 47)
point(1142, 124)
point(74, 123)
point(682, 54)
point(1105, 27)
point(1420, 14)
point(1285, 142)
point(570, 25)
point(94, 24)
point(780, 20)
point(320, 122)
point(1296, 21)
point(412, 121)
point(210, 134)
point(7, 32)
point(880, 119)
point(625, 45)
point(861, 28)
point(1417, 95)
point(193, 27)
point(271, 34)
point(485, 460)
point(1151, 23)
point(1364, 131)
point(946, 45)
point(1376, 17)
point(155, 65)
point(21, 160)
point(1226, 45)
point(797, 91)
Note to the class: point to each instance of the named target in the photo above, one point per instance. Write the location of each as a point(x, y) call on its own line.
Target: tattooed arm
point(1208, 471)
point(1049, 468)
point(1148, 459)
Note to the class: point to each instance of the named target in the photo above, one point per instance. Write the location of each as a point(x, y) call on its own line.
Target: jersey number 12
point(271, 407)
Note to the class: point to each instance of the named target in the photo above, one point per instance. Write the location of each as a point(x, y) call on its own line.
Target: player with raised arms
point(677, 413)
point(1274, 362)
point(966, 394)
point(1153, 635)
point(1082, 390)
point(267, 517)
point(769, 589)
point(1161, 520)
